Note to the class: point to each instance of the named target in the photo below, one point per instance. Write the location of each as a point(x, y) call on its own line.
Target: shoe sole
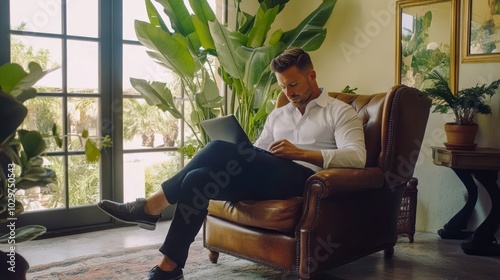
point(141, 225)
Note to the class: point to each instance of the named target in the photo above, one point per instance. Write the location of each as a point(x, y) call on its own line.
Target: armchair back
point(369, 108)
point(404, 121)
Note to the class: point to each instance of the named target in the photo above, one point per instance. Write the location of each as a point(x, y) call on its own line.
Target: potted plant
point(197, 42)
point(21, 163)
point(466, 104)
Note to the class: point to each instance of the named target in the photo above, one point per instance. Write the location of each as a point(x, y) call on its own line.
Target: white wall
point(360, 51)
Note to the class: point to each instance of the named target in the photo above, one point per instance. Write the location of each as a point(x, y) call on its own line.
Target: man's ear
point(312, 75)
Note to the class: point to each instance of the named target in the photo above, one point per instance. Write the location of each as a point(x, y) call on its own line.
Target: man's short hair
point(292, 57)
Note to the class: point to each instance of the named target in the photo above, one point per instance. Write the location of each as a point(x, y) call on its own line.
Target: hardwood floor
point(429, 257)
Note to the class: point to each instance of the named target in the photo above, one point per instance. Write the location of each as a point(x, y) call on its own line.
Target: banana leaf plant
point(193, 44)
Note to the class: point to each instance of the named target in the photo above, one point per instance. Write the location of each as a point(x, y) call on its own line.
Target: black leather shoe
point(130, 212)
point(157, 274)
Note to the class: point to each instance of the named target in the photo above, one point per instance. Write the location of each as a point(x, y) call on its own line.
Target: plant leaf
point(55, 134)
point(256, 66)
point(269, 4)
point(209, 96)
point(210, 89)
point(276, 37)
point(25, 233)
point(264, 88)
point(204, 35)
point(263, 21)
point(6, 213)
point(34, 173)
point(32, 141)
point(85, 133)
point(26, 94)
point(157, 94)
point(154, 17)
point(12, 114)
point(178, 15)
point(245, 22)
point(228, 44)
point(176, 57)
point(10, 75)
point(202, 10)
point(92, 153)
point(309, 34)
point(36, 73)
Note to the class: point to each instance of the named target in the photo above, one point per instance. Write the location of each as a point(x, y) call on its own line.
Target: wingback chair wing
point(344, 213)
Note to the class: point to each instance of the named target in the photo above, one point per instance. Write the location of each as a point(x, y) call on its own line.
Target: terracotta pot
point(460, 137)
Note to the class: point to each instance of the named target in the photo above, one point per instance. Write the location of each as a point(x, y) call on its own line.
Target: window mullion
point(4, 32)
point(65, 131)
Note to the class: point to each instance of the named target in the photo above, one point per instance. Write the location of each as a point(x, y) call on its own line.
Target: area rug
point(135, 263)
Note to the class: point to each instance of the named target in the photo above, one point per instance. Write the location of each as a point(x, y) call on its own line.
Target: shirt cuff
point(327, 157)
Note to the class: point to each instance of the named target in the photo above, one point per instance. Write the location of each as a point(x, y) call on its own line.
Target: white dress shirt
point(328, 125)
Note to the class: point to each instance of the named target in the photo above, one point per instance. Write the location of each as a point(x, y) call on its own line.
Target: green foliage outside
point(158, 173)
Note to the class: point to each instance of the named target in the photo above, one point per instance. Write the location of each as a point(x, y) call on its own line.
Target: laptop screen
point(225, 128)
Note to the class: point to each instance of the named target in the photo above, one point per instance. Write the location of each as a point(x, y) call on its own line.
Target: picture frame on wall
point(426, 40)
point(481, 31)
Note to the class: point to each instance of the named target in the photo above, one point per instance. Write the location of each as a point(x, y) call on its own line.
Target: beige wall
point(360, 51)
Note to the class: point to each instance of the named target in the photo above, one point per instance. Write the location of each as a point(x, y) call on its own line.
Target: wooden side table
point(482, 164)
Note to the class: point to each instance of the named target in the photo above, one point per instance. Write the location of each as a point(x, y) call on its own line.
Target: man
point(312, 132)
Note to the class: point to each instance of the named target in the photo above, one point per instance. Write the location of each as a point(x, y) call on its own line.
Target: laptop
point(227, 128)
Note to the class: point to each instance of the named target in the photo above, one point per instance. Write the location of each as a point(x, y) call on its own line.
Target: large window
point(92, 44)
point(70, 97)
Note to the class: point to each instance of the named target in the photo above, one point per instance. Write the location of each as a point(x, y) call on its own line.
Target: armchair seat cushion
point(278, 215)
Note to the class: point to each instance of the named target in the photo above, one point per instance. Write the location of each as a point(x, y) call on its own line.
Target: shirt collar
point(321, 100)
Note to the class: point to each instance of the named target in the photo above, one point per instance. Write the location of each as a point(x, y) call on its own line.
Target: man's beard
point(301, 101)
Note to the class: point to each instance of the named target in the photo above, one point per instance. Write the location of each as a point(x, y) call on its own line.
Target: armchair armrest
point(345, 180)
point(328, 182)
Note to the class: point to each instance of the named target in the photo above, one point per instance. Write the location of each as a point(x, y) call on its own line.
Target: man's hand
point(283, 148)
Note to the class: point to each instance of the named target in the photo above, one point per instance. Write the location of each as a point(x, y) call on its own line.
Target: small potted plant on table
point(465, 104)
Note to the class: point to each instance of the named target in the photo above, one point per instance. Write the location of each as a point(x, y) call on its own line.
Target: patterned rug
point(135, 263)
point(428, 258)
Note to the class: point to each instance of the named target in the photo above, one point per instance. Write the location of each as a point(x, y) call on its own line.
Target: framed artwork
point(426, 40)
point(481, 31)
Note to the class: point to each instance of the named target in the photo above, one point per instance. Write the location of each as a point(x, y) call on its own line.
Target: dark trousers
point(224, 171)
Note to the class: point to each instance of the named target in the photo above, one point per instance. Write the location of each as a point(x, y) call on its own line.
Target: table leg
point(454, 229)
point(483, 241)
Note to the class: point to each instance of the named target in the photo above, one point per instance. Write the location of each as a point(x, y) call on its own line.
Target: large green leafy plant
point(194, 43)
point(21, 150)
point(465, 104)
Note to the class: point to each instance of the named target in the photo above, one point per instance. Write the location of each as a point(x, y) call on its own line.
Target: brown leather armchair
point(345, 213)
